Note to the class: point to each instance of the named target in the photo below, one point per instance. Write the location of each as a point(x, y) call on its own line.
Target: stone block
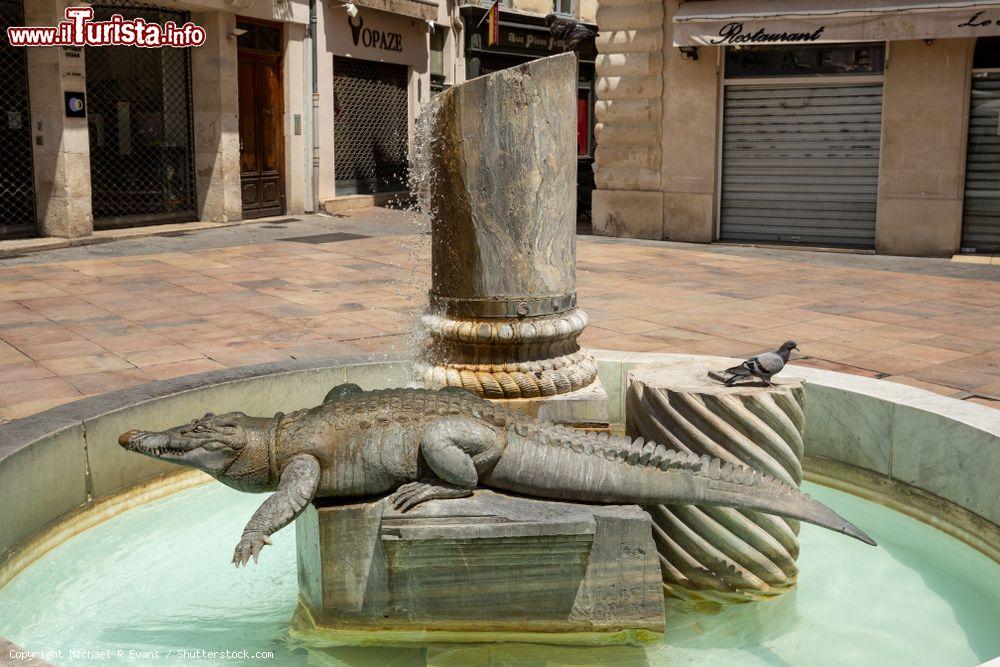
point(630, 41)
point(450, 570)
point(627, 133)
point(629, 64)
point(628, 213)
point(689, 217)
point(623, 177)
point(643, 157)
point(643, 110)
point(628, 87)
point(584, 407)
point(630, 17)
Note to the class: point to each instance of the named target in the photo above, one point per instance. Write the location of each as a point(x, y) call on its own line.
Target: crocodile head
point(213, 444)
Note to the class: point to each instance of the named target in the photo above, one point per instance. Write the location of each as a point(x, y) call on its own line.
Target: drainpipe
point(314, 112)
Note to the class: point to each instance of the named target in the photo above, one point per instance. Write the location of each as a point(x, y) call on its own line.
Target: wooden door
point(261, 137)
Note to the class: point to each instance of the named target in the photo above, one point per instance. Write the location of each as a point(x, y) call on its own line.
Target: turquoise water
point(154, 586)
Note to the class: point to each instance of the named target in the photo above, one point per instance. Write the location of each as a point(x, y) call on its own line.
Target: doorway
point(261, 98)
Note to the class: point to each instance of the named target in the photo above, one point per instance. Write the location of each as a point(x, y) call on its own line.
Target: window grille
point(370, 126)
point(17, 183)
point(140, 122)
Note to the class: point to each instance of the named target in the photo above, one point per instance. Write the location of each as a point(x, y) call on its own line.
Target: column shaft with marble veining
point(495, 167)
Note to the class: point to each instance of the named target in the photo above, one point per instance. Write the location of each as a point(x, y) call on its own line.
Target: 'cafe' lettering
point(374, 39)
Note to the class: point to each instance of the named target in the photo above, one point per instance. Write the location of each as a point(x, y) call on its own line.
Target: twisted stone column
point(495, 167)
point(713, 553)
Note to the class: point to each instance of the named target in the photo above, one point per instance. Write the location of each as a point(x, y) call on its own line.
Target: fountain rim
point(54, 436)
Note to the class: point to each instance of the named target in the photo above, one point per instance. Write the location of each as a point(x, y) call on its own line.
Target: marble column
point(719, 554)
point(495, 167)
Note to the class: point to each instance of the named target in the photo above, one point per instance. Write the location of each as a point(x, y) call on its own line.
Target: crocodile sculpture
point(424, 445)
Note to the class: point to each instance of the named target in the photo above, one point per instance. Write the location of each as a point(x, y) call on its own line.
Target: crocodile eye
point(200, 428)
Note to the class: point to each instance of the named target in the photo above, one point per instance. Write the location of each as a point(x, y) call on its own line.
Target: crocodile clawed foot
point(250, 545)
point(410, 495)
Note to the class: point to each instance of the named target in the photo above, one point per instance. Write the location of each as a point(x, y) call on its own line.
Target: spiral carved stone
point(508, 358)
point(717, 554)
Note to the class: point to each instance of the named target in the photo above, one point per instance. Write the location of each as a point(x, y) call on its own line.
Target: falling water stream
point(155, 583)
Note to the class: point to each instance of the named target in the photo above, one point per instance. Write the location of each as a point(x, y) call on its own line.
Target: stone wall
point(921, 175)
point(215, 101)
point(627, 200)
point(61, 148)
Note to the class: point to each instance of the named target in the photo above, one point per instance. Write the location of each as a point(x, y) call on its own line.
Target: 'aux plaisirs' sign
point(694, 25)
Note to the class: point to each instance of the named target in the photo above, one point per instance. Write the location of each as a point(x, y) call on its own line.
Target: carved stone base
point(529, 357)
point(474, 569)
point(713, 553)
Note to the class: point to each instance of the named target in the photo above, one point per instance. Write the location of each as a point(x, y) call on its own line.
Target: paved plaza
point(80, 321)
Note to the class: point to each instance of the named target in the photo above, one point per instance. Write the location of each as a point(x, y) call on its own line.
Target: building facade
point(853, 124)
point(524, 36)
point(112, 136)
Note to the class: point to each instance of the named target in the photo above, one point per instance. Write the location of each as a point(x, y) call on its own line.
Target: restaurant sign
point(693, 29)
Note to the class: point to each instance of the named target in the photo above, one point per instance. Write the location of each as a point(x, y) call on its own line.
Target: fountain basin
point(911, 451)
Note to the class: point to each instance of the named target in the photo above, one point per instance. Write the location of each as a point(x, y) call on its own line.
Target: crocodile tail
point(590, 468)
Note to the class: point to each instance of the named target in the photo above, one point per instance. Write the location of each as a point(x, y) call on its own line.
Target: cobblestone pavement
point(91, 319)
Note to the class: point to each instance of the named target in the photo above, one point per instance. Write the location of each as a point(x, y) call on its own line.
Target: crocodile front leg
point(455, 449)
point(296, 488)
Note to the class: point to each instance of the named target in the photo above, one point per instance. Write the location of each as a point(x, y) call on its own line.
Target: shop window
point(563, 7)
point(583, 123)
point(987, 55)
point(812, 60)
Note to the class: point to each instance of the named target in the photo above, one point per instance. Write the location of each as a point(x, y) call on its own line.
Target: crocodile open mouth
point(133, 441)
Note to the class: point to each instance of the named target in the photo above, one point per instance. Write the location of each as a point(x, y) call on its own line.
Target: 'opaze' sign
point(374, 39)
point(79, 29)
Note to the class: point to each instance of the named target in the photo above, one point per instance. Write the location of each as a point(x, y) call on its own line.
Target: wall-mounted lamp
point(236, 33)
point(688, 52)
point(352, 9)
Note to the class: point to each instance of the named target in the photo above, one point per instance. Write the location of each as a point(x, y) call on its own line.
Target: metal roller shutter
point(370, 132)
point(981, 218)
point(800, 164)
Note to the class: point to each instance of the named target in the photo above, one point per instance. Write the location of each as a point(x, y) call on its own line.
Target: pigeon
point(763, 366)
point(568, 33)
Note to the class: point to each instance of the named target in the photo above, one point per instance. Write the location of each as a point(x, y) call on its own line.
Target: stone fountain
point(497, 174)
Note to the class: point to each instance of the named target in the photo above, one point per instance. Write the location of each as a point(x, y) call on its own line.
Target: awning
point(418, 9)
point(758, 22)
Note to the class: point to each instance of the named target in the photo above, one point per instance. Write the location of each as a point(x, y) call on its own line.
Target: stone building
point(851, 124)
point(262, 119)
point(113, 136)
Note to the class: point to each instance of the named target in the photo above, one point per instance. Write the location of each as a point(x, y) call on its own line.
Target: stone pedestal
point(713, 553)
point(495, 168)
point(485, 568)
